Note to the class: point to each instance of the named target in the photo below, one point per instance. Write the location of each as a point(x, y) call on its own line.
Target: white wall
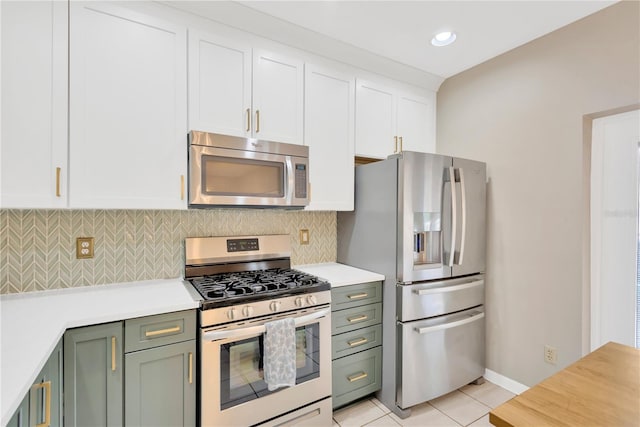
point(522, 113)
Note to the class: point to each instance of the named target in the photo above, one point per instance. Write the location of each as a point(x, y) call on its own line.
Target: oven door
point(221, 176)
point(233, 392)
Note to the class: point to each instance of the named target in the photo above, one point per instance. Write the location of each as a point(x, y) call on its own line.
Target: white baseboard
point(504, 382)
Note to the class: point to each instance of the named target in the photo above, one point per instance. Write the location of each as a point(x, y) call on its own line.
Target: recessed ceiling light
point(444, 38)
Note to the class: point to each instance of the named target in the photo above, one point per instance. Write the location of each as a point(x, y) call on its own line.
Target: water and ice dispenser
point(427, 238)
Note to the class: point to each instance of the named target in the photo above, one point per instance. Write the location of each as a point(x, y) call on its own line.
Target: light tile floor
point(468, 406)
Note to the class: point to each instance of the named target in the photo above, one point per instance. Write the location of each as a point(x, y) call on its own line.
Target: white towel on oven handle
point(280, 353)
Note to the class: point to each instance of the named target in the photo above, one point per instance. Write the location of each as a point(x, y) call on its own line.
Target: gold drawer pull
point(190, 368)
point(360, 376)
point(357, 342)
point(357, 319)
point(358, 296)
point(181, 187)
point(58, 170)
point(47, 403)
point(149, 334)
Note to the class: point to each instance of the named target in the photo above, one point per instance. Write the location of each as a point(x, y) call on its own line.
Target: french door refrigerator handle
point(434, 328)
point(452, 180)
point(463, 202)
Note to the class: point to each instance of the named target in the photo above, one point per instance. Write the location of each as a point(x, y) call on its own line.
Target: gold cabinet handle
point(395, 144)
point(360, 376)
point(358, 318)
point(47, 405)
point(149, 334)
point(400, 144)
point(190, 368)
point(358, 296)
point(257, 121)
point(58, 170)
point(357, 342)
point(113, 353)
point(181, 187)
point(248, 119)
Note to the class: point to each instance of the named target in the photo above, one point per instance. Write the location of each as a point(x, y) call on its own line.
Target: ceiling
point(402, 30)
point(393, 37)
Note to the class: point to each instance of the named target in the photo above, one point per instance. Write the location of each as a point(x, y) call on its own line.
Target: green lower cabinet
point(93, 376)
point(43, 403)
point(356, 376)
point(160, 388)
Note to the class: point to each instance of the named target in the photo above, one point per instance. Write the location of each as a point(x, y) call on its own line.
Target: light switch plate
point(84, 247)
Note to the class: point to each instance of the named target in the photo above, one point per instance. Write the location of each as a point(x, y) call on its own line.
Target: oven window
point(241, 366)
point(226, 176)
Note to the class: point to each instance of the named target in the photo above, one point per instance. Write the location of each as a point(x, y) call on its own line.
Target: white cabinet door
point(375, 120)
point(33, 149)
point(128, 124)
point(329, 133)
point(416, 123)
point(219, 85)
point(278, 97)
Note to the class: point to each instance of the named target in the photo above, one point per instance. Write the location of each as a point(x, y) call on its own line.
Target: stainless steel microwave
point(245, 172)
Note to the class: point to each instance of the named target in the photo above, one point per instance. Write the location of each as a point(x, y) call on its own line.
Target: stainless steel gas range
point(247, 282)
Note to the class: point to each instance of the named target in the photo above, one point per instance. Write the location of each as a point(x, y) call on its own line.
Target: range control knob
point(299, 302)
point(311, 299)
point(232, 314)
point(275, 305)
point(247, 311)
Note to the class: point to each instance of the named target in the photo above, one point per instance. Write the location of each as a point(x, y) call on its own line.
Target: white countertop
point(339, 274)
point(33, 323)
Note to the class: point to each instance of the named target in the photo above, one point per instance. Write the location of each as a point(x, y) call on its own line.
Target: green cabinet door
point(93, 374)
point(160, 388)
point(43, 403)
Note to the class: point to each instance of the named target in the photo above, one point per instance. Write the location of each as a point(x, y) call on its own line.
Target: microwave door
point(423, 216)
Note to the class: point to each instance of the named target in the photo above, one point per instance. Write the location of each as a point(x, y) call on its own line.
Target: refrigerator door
point(470, 247)
point(424, 225)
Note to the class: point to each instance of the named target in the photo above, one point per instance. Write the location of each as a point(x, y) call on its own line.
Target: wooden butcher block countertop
point(601, 389)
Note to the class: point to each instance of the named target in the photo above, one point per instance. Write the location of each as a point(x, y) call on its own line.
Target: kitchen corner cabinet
point(128, 109)
point(389, 121)
point(238, 90)
point(33, 147)
point(43, 403)
point(329, 132)
point(356, 325)
point(93, 375)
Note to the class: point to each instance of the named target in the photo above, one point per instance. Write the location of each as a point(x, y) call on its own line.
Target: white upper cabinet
point(237, 90)
point(128, 105)
point(33, 149)
point(389, 121)
point(219, 85)
point(329, 133)
point(416, 123)
point(278, 97)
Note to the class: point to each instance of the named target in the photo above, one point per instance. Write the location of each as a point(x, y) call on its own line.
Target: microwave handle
point(290, 178)
point(257, 330)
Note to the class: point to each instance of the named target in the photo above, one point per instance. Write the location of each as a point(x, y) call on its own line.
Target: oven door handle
point(257, 330)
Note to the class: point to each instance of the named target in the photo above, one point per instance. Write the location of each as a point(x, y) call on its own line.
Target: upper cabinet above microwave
point(240, 91)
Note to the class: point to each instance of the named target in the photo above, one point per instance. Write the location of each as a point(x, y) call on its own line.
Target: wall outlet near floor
point(550, 354)
point(84, 247)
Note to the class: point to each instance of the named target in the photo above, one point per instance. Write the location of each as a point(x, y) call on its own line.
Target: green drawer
point(153, 331)
point(355, 341)
point(355, 318)
point(356, 376)
point(355, 295)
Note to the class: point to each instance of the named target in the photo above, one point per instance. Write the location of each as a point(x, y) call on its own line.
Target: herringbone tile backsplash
point(37, 247)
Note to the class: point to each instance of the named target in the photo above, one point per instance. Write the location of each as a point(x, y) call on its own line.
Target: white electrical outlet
point(550, 354)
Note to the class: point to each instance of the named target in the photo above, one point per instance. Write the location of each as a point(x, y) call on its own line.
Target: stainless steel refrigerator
point(419, 220)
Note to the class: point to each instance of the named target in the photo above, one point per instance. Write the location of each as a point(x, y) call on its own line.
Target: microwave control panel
point(301, 181)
